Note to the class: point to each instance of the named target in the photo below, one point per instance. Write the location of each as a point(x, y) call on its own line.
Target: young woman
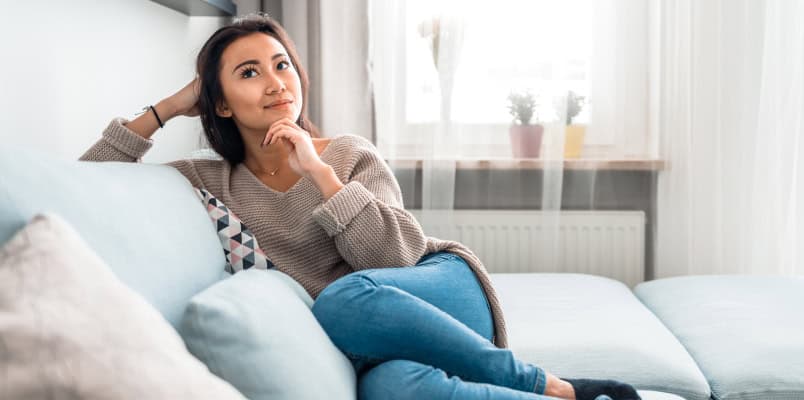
point(417, 316)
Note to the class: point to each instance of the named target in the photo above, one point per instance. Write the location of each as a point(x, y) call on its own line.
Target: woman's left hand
point(302, 155)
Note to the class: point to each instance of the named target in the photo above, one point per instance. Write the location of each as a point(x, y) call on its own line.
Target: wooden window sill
point(580, 164)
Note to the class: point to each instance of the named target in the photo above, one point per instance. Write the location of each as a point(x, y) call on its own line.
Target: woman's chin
point(276, 113)
point(265, 121)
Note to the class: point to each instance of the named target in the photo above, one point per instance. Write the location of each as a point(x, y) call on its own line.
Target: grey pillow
point(70, 329)
point(256, 331)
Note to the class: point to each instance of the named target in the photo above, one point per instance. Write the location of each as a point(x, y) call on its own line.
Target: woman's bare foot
point(557, 388)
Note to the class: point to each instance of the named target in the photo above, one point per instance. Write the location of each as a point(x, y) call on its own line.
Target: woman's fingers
point(286, 122)
point(275, 134)
point(288, 146)
point(272, 133)
point(268, 135)
point(283, 123)
point(284, 132)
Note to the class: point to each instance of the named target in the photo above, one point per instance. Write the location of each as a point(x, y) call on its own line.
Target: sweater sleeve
point(118, 143)
point(367, 219)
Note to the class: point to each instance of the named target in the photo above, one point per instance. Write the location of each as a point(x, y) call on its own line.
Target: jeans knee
point(340, 301)
point(391, 380)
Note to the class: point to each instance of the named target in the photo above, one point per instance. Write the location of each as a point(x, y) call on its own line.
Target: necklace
point(274, 172)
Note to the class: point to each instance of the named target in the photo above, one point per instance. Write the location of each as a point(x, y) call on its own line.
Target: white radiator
point(605, 243)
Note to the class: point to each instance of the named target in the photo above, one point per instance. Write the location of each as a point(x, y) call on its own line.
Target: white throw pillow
point(70, 329)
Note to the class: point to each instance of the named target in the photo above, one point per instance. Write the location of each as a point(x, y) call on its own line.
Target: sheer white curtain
point(396, 136)
point(731, 108)
point(332, 41)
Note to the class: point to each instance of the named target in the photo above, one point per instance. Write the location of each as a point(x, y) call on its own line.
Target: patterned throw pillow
point(239, 244)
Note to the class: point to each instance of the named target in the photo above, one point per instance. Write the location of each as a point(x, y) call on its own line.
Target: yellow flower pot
point(573, 140)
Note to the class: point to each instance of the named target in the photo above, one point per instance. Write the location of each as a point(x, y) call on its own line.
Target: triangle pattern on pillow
point(239, 244)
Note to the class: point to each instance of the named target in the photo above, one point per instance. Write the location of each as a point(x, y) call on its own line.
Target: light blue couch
point(147, 224)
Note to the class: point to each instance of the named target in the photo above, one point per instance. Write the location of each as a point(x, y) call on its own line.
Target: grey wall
point(273, 8)
point(247, 6)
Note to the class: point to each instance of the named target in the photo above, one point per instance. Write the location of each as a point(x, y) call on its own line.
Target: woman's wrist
point(146, 122)
point(166, 110)
point(326, 180)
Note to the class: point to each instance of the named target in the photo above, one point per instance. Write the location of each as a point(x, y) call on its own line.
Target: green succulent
point(522, 106)
point(574, 105)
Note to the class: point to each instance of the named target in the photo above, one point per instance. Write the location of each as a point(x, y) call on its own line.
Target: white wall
point(69, 67)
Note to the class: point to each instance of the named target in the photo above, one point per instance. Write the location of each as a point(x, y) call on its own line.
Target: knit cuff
point(337, 212)
point(125, 140)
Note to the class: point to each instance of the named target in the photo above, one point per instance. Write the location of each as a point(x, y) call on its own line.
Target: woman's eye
point(248, 73)
point(281, 63)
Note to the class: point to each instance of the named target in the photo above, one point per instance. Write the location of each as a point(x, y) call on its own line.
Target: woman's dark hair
point(222, 133)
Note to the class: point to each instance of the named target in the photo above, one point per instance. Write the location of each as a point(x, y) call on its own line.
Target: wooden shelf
point(201, 8)
point(540, 164)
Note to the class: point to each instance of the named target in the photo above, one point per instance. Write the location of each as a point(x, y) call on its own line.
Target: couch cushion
point(583, 326)
point(745, 332)
point(256, 331)
point(144, 221)
point(653, 395)
point(69, 329)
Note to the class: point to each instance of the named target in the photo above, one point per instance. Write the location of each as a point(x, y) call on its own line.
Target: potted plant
point(573, 133)
point(526, 138)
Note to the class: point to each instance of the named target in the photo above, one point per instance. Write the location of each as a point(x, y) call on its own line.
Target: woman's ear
point(223, 110)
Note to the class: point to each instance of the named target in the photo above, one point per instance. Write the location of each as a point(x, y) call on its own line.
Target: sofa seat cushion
point(145, 221)
point(584, 326)
point(654, 395)
point(745, 332)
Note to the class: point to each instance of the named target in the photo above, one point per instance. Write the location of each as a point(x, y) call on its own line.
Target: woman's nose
point(274, 85)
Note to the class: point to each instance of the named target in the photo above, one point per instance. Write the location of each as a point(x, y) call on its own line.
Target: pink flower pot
point(526, 140)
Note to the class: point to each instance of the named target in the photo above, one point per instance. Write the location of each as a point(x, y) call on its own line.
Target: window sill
point(580, 164)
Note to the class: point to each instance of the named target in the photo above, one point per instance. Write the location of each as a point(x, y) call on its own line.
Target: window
point(598, 49)
point(543, 46)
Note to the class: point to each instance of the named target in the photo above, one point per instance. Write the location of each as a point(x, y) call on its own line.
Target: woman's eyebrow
point(257, 62)
point(245, 63)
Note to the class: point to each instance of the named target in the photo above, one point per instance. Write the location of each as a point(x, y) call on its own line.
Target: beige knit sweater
point(362, 226)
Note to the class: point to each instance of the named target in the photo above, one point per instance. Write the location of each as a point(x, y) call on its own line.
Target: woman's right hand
point(185, 101)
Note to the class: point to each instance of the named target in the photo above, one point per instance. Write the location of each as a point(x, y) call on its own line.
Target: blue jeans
point(423, 333)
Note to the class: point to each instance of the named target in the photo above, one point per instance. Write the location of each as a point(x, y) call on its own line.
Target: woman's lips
point(281, 106)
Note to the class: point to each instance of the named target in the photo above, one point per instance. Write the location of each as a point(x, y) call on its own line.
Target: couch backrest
point(144, 220)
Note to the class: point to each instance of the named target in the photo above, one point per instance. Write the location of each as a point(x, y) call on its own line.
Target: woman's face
point(259, 84)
